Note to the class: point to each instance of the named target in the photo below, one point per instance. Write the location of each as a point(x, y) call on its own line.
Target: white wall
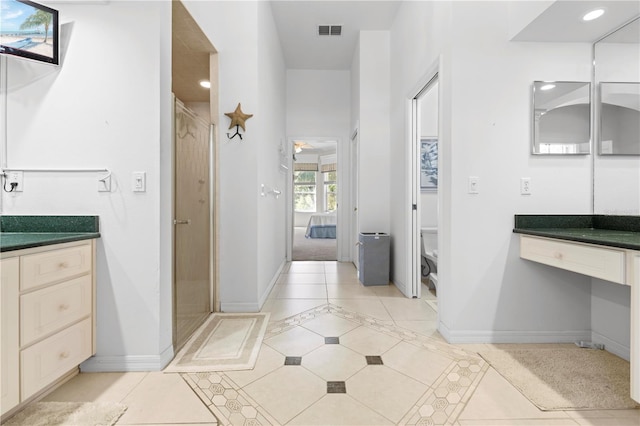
point(373, 115)
point(486, 291)
point(319, 107)
point(271, 117)
point(96, 111)
point(251, 71)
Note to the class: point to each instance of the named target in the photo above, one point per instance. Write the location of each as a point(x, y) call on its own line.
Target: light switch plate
point(474, 185)
point(139, 182)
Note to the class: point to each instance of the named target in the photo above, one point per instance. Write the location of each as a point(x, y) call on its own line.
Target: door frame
point(354, 153)
point(342, 226)
point(413, 259)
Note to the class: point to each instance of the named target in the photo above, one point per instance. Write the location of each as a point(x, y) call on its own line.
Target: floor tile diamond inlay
point(336, 387)
point(374, 360)
point(332, 340)
point(293, 360)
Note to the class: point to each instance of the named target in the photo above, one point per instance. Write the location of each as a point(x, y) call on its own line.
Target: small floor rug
point(68, 414)
point(224, 342)
point(565, 378)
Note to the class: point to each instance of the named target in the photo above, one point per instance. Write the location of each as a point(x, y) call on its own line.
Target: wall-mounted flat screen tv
point(29, 30)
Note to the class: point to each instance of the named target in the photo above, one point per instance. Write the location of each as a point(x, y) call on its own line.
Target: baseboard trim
point(614, 347)
point(104, 364)
point(272, 283)
point(489, 336)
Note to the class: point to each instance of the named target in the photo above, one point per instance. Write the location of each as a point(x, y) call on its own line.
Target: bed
point(322, 225)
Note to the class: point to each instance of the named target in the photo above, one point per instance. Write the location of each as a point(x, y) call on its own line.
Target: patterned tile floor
point(324, 318)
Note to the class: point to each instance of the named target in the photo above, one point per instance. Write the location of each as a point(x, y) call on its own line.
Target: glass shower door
point(192, 222)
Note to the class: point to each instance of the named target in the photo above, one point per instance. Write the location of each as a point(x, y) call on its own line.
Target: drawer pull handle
point(64, 355)
point(63, 307)
point(558, 255)
point(63, 265)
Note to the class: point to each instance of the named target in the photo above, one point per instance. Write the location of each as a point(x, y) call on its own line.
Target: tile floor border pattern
point(441, 404)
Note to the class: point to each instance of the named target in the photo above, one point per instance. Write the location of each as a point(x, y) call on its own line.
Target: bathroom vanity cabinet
point(604, 247)
point(48, 318)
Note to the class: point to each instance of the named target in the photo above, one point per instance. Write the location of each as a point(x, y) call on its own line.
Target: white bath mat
point(224, 342)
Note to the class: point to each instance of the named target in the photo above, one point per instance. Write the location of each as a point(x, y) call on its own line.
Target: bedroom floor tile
point(301, 278)
point(164, 398)
point(302, 291)
point(367, 306)
point(306, 268)
point(403, 309)
point(284, 308)
point(97, 387)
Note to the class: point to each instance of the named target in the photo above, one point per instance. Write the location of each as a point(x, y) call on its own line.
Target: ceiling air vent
point(329, 30)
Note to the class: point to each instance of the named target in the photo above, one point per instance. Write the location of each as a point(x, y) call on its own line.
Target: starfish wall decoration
point(238, 119)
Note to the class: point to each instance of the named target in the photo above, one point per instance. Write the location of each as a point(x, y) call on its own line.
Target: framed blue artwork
point(429, 164)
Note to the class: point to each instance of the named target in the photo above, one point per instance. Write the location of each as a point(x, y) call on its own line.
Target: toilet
point(429, 252)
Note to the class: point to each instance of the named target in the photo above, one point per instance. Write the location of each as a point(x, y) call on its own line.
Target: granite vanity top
point(21, 232)
point(605, 230)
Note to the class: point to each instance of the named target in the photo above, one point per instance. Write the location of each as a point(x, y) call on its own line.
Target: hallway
point(336, 352)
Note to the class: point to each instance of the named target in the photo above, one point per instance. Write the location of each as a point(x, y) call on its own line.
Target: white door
point(355, 227)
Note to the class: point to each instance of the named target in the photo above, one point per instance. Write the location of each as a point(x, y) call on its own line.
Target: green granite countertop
point(612, 231)
point(21, 232)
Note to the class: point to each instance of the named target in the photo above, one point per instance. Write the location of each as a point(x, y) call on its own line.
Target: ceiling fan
point(300, 145)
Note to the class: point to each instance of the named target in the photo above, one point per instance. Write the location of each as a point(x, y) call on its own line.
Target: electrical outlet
point(474, 185)
point(525, 186)
point(15, 177)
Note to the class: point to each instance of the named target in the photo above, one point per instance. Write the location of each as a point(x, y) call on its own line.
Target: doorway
point(424, 176)
point(194, 62)
point(314, 200)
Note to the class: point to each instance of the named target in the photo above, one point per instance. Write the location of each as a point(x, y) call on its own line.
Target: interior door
point(192, 223)
point(355, 227)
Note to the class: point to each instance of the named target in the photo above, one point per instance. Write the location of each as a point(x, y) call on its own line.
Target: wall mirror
point(616, 168)
point(619, 107)
point(561, 117)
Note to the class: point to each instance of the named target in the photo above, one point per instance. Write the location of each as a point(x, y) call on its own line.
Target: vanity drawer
point(598, 262)
point(51, 266)
point(46, 361)
point(50, 309)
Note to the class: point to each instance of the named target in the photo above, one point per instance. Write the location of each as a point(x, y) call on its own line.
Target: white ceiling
point(297, 23)
point(562, 21)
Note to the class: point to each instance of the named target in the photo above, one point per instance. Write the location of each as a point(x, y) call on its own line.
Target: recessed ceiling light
point(594, 14)
point(547, 87)
point(205, 83)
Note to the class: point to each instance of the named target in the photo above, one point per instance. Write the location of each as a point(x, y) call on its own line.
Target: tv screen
point(29, 30)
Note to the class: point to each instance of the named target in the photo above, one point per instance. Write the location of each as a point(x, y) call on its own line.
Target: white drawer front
point(599, 262)
point(48, 360)
point(51, 266)
point(53, 308)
